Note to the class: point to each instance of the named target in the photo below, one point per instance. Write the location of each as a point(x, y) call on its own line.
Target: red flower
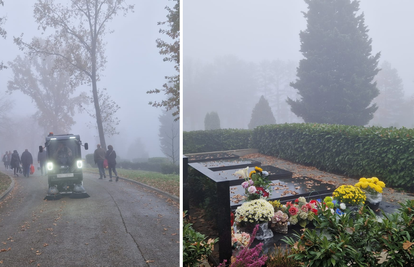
point(261, 189)
point(313, 202)
point(315, 211)
point(297, 200)
point(293, 210)
point(231, 218)
point(288, 204)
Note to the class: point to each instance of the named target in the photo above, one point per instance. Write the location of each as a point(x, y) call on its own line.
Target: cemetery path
point(389, 195)
point(120, 224)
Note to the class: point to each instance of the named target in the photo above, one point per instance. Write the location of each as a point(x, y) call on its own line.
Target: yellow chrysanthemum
point(375, 179)
point(363, 179)
point(258, 169)
point(382, 184)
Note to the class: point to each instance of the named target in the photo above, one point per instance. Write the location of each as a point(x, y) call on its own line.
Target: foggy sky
point(133, 67)
point(269, 30)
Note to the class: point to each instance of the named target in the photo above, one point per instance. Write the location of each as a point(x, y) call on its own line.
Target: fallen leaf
point(45, 245)
point(407, 244)
point(149, 261)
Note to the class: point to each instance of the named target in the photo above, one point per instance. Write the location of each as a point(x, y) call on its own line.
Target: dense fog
point(236, 51)
point(134, 66)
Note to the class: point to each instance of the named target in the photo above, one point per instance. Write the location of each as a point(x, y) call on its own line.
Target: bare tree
point(172, 51)
point(169, 135)
point(50, 89)
point(80, 28)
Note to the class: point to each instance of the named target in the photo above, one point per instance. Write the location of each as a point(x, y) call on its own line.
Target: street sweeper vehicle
point(64, 166)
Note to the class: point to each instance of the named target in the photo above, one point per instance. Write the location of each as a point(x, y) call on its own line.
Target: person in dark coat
point(15, 162)
point(99, 157)
point(41, 159)
point(27, 160)
point(111, 156)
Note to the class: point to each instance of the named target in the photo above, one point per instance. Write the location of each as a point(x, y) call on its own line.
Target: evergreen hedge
point(356, 151)
point(215, 140)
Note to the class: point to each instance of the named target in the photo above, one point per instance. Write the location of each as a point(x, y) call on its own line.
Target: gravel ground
point(389, 195)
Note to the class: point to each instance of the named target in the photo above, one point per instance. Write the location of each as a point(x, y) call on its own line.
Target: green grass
point(169, 183)
point(4, 182)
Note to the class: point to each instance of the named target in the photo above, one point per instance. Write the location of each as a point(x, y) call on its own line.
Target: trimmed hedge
point(215, 140)
point(356, 151)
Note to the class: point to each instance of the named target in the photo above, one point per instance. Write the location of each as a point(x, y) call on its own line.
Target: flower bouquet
point(350, 195)
point(333, 205)
point(300, 212)
point(373, 188)
point(256, 185)
point(280, 222)
point(257, 211)
point(240, 240)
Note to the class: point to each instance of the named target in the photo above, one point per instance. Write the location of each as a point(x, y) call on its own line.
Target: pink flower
point(251, 182)
point(304, 208)
point(245, 185)
point(293, 210)
point(252, 189)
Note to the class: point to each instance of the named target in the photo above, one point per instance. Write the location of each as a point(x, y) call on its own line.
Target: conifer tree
point(212, 121)
point(262, 114)
point(335, 78)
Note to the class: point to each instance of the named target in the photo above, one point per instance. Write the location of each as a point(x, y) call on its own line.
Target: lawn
point(4, 182)
point(169, 183)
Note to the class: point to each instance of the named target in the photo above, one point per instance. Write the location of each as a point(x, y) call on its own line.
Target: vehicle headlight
point(79, 163)
point(49, 166)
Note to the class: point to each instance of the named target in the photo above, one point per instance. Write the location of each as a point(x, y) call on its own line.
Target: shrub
point(280, 258)
point(215, 140)
point(195, 246)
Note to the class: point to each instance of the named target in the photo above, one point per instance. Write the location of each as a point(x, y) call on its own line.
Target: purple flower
point(245, 185)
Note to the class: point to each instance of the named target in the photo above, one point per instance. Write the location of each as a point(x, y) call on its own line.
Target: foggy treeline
point(232, 86)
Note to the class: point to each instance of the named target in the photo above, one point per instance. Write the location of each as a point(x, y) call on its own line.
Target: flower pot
point(280, 227)
point(264, 232)
point(373, 200)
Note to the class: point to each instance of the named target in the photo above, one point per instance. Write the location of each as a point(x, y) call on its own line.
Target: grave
point(220, 168)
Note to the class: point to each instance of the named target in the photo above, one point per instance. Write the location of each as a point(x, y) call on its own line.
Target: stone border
point(11, 186)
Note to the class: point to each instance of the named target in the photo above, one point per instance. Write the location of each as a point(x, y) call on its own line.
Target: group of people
point(23, 163)
point(106, 159)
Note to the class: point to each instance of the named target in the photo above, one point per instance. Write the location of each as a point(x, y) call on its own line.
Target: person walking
point(41, 159)
point(27, 160)
point(99, 157)
point(111, 156)
point(15, 162)
point(9, 159)
point(6, 155)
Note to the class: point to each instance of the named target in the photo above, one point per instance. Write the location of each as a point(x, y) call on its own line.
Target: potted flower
point(256, 185)
point(280, 222)
point(300, 212)
point(257, 211)
point(373, 188)
point(350, 195)
point(239, 240)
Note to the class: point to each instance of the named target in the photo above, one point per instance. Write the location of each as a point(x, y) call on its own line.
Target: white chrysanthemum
point(342, 206)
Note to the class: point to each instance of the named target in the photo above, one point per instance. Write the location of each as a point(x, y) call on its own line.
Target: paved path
point(120, 224)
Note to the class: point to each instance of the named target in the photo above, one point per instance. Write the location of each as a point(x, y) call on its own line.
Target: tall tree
point(262, 114)
point(3, 32)
point(172, 51)
point(212, 121)
point(108, 110)
point(137, 151)
point(77, 41)
point(169, 134)
point(391, 98)
point(274, 79)
point(50, 89)
point(335, 78)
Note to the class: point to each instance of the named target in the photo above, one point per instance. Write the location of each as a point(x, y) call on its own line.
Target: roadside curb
point(153, 188)
point(175, 198)
point(11, 186)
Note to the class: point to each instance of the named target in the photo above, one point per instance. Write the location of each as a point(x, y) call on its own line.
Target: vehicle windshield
point(63, 152)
